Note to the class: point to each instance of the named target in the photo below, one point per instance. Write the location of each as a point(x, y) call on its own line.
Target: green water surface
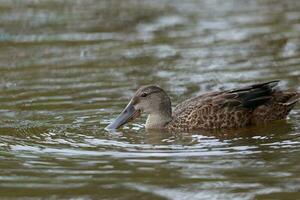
point(69, 67)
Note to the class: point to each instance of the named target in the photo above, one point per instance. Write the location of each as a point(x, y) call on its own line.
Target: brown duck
point(252, 105)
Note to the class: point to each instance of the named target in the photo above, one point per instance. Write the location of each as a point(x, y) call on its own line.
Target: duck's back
point(259, 103)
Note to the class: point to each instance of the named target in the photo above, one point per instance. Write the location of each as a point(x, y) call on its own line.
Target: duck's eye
point(144, 94)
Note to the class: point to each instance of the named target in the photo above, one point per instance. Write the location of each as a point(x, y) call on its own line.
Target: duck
point(255, 104)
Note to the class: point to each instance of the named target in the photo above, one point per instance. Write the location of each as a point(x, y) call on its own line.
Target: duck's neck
point(158, 120)
point(160, 113)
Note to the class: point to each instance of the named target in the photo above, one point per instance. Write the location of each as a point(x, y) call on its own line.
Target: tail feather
point(277, 108)
point(293, 101)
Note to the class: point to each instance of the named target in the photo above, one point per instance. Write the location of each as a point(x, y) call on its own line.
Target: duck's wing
point(231, 108)
point(268, 104)
point(192, 102)
point(254, 95)
point(248, 97)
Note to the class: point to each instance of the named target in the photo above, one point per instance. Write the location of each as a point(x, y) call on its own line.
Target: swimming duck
point(252, 105)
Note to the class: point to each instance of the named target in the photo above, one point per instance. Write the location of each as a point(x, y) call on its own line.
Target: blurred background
point(69, 67)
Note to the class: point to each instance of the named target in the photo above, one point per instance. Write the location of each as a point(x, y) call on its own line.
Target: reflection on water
point(68, 67)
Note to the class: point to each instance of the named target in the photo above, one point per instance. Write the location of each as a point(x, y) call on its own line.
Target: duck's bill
point(128, 114)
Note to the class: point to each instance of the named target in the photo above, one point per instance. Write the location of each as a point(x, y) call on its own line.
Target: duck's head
point(151, 100)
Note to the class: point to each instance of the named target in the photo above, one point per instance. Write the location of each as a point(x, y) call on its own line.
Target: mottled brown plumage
point(256, 104)
point(252, 105)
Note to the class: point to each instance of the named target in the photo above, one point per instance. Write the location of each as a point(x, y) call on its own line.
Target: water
point(69, 67)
